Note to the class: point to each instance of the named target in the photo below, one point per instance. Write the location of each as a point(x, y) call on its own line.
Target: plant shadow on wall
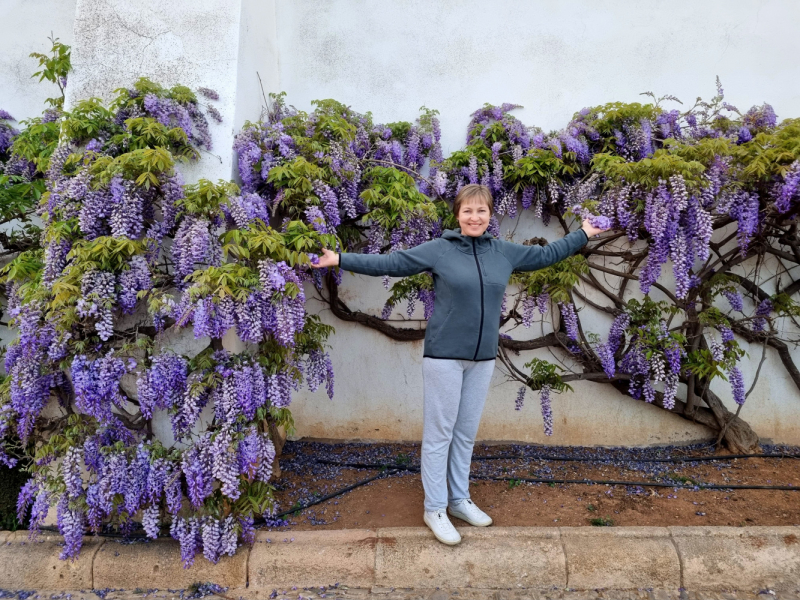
point(128, 258)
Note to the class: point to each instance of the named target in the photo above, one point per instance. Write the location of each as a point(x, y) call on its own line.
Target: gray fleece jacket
point(470, 275)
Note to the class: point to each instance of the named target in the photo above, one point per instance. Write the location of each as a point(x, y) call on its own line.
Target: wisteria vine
point(130, 255)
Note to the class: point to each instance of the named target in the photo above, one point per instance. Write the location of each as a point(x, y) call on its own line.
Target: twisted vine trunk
point(739, 437)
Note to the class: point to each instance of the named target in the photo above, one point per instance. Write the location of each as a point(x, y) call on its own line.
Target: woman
point(470, 273)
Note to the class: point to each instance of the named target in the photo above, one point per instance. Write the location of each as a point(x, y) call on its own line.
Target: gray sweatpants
point(454, 394)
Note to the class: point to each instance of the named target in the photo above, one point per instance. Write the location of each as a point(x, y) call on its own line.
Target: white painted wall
point(28, 25)
point(379, 382)
point(553, 57)
point(194, 43)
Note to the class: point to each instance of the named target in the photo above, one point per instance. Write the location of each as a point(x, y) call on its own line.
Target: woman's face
point(473, 217)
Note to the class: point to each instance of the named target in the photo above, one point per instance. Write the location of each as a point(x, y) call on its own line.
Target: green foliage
point(648, 322)
point(649, 172)
point(770, 154)
point(557, 280)
point(408, 287)
point(18, 196)
point(649, 313)
point(229, 279)
point(296, 179)
point(146, 132)
point(393, 198)
point(283, 418)
point(144, 86)
point(36, 143)
point(602, 522)
point(536, 169)
point(785, 305)
point(261, 241)
point(426, 118)
point(54, 68)
point(609, 119)
point(88, 119)
point(700, 362)
point(105, 253)
point(25, 270)
point(713, 317)
point(205, 198)
point(545, 373)
point(143, 166)
point(333, 123)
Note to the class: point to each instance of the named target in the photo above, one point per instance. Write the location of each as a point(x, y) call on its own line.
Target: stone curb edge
point(579, 558)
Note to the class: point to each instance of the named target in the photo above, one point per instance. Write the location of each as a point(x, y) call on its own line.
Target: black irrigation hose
point(337, 493)
point(623, 459)
point(586, 459)
point(367, 465)
point(702, 486)
point(396, 468)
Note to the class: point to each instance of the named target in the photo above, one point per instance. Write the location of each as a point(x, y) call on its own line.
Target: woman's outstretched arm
point(532, 258)
point(399, 263)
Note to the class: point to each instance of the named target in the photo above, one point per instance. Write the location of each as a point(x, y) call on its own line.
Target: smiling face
point(473, 216)
point(473, 209)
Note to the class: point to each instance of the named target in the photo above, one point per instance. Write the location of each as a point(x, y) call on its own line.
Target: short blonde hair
point(473, 190)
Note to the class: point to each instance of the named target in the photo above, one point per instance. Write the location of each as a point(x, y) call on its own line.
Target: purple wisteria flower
point(547, 410)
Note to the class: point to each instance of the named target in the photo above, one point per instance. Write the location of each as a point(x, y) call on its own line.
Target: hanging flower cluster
point(130, 252)
point(125, 241)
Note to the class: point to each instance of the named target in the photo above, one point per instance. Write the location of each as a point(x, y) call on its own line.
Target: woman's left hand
point(591, 230)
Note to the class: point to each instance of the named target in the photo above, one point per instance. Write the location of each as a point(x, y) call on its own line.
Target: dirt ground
point(396, 500)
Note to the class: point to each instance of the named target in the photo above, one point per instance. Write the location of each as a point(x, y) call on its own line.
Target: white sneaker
point(467, 511)
point(441, 527)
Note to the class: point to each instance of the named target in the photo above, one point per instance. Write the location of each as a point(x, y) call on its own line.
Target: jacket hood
point(464, 242)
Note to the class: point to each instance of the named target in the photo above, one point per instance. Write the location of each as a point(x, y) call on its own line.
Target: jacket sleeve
point(532, 258)
point(399, 263)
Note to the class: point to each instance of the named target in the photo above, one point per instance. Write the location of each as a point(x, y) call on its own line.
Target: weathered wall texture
point(390, 58)
point(195, 43)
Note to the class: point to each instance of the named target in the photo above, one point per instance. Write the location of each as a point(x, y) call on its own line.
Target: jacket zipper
point(480, 276)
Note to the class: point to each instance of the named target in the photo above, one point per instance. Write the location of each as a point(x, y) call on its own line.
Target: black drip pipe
point(395, 468)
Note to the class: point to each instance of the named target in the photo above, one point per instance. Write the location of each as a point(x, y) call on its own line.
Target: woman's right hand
point(328, 259)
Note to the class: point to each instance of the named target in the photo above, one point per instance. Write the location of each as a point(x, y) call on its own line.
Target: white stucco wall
point(390, 58)
point(28, 25)
point(194, 43)
point(554, 58)
point(379, 381)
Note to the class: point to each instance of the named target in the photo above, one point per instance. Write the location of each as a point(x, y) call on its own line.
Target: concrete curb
point(578, 558)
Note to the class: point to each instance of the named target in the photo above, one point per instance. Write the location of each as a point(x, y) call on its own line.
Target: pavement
point(344, 593)
point(579, 563)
